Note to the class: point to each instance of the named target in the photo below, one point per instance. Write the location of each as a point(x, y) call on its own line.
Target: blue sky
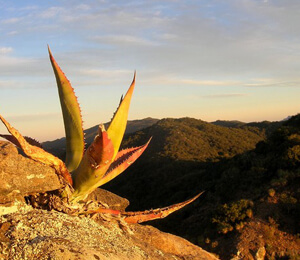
point(229, 60)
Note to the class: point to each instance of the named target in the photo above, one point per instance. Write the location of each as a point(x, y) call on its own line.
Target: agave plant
point(84, 171)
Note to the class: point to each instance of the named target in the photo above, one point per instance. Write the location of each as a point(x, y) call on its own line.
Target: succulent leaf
point(37, 153)
point(147, 215)
point(13, 140)
point(72, 118)
point(122, 161)
point(95, 163)
point(101, 153)
point(101, 150)
point(142, 216)
point(118, 123)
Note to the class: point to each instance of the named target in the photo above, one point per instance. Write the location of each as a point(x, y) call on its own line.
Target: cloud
point(273, 83)
point(5, 50)
point(84, 7)
point(13, 20)
point(228, 95)
point(32, 117)
point(51, 12)
point(21, 67)
point(12, 33)
point(125, 39)
point(104, 73)
point(9, 84)
point(210, 82)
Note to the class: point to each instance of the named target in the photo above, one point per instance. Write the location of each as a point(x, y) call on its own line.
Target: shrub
point(233, 215)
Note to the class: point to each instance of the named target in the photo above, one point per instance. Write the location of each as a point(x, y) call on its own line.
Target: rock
point(260, 254)
point(112, 200)
point(21, 176)
point(169, 244)
point(39, 234)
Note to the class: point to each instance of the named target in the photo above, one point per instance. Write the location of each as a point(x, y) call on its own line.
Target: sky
point(206, 59)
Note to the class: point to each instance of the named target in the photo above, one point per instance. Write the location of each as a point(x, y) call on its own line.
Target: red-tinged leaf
point(101, 150)
point(123, 160)
point(142, 216)
point(94, 164)
point(102, 211)
point(37, 153)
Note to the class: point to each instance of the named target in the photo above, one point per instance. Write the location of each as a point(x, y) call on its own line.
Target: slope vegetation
point(250, 174)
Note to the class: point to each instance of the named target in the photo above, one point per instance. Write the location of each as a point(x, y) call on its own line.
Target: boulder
point(21, 176)
point(108, 198)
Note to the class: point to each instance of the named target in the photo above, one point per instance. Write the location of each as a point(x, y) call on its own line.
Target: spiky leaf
point(118, 123)
point(122, 161)
point(72, 118)
point(142, 216)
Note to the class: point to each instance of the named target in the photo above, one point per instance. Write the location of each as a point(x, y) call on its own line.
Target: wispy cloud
point(273, 83)
point(210, 82)
point(13, 20)
point(5, 50)
point(20, 66)
point(12, 33)
point(32, 117)
point(104, 73)
point(51, 12)
point(125, 40)
point(227, 95)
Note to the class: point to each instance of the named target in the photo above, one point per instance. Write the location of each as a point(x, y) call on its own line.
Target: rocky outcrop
point(28, 233)
point(38, 234)
point(21, 176)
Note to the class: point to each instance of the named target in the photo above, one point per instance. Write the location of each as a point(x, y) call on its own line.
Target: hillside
point(178, 148)
point(57, 147)
point(267, 126)
point(173, 166)
point(190, 139)
point(251, 183)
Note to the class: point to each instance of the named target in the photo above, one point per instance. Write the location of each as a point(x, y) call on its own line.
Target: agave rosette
point(102, 161)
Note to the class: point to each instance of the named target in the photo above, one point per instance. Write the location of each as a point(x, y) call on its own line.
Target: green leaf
point(72, 118)
point(118, 123)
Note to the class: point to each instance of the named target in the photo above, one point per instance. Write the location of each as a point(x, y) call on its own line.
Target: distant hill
point(178, 148)
point(195, 140)
point(250, 178)
point(57, 147)
point(268, 126)
point(229, 123)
